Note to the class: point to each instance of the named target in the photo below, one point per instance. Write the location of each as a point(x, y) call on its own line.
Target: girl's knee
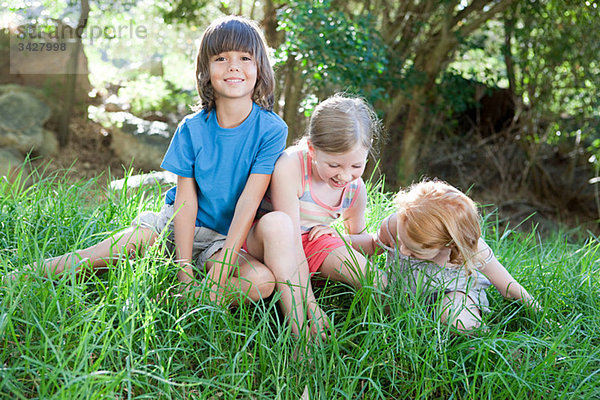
point(361, 261)
point(275, 224)
point(466, 322)
point(355, 264)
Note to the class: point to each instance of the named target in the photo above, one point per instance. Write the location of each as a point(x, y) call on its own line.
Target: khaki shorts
point(206, 241)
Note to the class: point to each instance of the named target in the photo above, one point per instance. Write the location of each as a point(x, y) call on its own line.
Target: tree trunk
point(430, 58)
point(411, 146)
point(269, 25)
point(293, 95)
point(71, 77)
point(430, 61)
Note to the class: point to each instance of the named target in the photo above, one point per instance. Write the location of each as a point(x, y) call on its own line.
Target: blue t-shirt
point(221, 160)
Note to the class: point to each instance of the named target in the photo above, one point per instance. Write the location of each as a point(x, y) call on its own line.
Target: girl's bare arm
point(285, 192)
point(355, 224)
point(503, 280)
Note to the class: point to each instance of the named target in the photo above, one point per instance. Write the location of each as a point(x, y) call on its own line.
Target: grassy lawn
point(108, 336)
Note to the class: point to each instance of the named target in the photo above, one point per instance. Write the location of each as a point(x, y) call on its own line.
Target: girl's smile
point(338, 170)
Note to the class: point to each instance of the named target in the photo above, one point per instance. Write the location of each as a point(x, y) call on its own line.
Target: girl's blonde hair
point(234, 33)
point(340, 122)
point(435, 215)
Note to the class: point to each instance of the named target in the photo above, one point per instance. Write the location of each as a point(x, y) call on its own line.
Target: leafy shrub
point(154, 94)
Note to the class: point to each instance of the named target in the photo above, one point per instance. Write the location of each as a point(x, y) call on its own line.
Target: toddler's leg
point(129, 242)
point(252, 278)
point(460, 311)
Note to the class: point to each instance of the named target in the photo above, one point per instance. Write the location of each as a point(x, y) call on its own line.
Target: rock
point(11, 162)
point(22, 117)
point(49, 146)
point(35, 92)
point(137, 142)
point(152, 178)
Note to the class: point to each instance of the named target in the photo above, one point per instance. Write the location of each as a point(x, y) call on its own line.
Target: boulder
point(22, 116)
point(152, 178)
point(136, 142)
point(11, 162)
point(49, 146)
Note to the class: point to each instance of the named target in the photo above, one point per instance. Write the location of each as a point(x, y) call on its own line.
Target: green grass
point(107, 337)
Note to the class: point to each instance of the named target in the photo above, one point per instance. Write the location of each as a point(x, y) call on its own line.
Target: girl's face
point(410, 248)
point(338, 170)
point(233, 75)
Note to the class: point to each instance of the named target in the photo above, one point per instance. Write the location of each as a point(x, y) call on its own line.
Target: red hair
point(436, 215)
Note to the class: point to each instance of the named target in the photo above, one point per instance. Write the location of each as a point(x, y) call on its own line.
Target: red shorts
point(318, 249)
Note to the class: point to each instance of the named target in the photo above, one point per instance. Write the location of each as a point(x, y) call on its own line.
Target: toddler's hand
point(552, 324)
point(183, 291)
point(321, 230)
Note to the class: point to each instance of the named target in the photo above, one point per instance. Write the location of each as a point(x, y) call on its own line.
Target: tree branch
point(468, 28)
point(476, 5)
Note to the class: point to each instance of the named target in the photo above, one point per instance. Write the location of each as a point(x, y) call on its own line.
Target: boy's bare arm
point(186, 208)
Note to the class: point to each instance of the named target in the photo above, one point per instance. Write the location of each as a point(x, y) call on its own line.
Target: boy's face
point(233, 75)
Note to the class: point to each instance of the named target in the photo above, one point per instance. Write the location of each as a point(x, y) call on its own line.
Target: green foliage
point(480, 56)
point(186, 11)
point(457, 94)
point(148, 93)
point(558, 73)
point(333, 51)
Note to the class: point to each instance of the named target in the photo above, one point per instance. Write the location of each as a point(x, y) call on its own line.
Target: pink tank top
point(314, 212)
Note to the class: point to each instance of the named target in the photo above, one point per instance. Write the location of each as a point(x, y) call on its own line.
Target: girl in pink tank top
point(318, 181)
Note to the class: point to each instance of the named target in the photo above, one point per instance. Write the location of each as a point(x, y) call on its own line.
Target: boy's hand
point(216, 294)
point(218, 279)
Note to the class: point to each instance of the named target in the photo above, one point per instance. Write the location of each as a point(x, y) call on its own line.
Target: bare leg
point(460, 311)
point(349, 266)
point(131, 241)
point(342, 266)
point(272, 241)
point(252, 279)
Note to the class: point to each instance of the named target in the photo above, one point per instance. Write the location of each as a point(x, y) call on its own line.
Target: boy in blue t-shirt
point(224, 155)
